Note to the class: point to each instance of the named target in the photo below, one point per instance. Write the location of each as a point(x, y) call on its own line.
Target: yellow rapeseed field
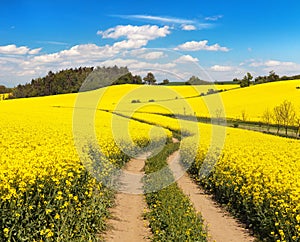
point(45, 190)
point(256, 175)
point(253, 100)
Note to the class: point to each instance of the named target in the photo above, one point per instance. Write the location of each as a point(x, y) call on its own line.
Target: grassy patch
point(172, 216)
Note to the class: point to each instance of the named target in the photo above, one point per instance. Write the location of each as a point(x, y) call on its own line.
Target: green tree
point(194, 80)
point(245, 82)
point(149, 79)
point(273, 77)
point(137, 79)
point(166, 81)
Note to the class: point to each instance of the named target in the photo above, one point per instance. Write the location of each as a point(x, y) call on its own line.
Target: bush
point(236, 125)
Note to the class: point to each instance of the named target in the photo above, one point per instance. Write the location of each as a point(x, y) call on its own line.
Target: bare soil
point(127, 222)
point(221, 226)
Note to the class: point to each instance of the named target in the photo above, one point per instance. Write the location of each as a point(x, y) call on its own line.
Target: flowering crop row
point(46, 192)
point(171, 215)
point(256, 175)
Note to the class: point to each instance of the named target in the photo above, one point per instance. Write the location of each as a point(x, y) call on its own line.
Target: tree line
point(4, 89)
point(283, 116)
point(64, 81)
point(77, 79)
point(247, 80)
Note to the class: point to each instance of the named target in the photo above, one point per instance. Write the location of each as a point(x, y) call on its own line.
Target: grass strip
point(172, 217)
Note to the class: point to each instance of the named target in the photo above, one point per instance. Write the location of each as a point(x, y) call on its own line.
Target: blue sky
point(224, 39)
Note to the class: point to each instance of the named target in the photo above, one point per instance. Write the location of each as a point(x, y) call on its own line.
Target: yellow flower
point(57, 216)
point(6, 231)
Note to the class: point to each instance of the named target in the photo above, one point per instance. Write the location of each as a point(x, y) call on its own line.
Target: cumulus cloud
point(14, 50)
point(144, 32)
point(185, 59)
point(152, 55)
point(188, 27)
point(130, 44)
point(200, 45)
point(221, 68)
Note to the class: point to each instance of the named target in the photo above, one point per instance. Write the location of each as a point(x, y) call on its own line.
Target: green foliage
point(65, 81)
point(272, 77)
point(73, 80)
point(171, 216)
point(4, 89)
point(194, 80)
point(71, 209)
point(166, 82)
point(149, 79)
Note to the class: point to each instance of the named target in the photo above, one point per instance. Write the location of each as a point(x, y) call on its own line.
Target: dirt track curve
point(221, 226)
point(127, 223)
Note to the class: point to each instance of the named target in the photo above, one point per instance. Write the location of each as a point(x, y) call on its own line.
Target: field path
point(221, 226)
point(127, 223)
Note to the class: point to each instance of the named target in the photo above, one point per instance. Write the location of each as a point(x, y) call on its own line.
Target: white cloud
point(130, 44)
point(271, 63)
point(200, 45)
point(214, 18)
point(144, 32)
point(152, 55)
point(221, 68)
point(34, 51)
point(14, 50)
point(185, 59)
point(188, 27)
point(158, 19)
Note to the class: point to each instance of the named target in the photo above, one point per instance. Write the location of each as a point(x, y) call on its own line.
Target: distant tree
point(4, 89)
point(273, 77)
point(137, 79)
point(194, 80)
point(267, 118)
point(277, 117)
point(287, 114)
point(65, 81)
point(260, 79)
point(149, 79)
point(236, 80)
point(166, 81)
point(245, 82)
point(297, 124)
point(219, 115)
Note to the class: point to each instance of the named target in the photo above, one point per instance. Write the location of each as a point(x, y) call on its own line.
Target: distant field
point(183, 99)
point(253, 100)
point(41, 172)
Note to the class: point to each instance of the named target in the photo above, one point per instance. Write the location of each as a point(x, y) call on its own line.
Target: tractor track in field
point(127, 223)
point(222, 227)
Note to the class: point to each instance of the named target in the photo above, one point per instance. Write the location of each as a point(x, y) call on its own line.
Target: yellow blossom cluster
point(257, 175)
point(45, 188)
